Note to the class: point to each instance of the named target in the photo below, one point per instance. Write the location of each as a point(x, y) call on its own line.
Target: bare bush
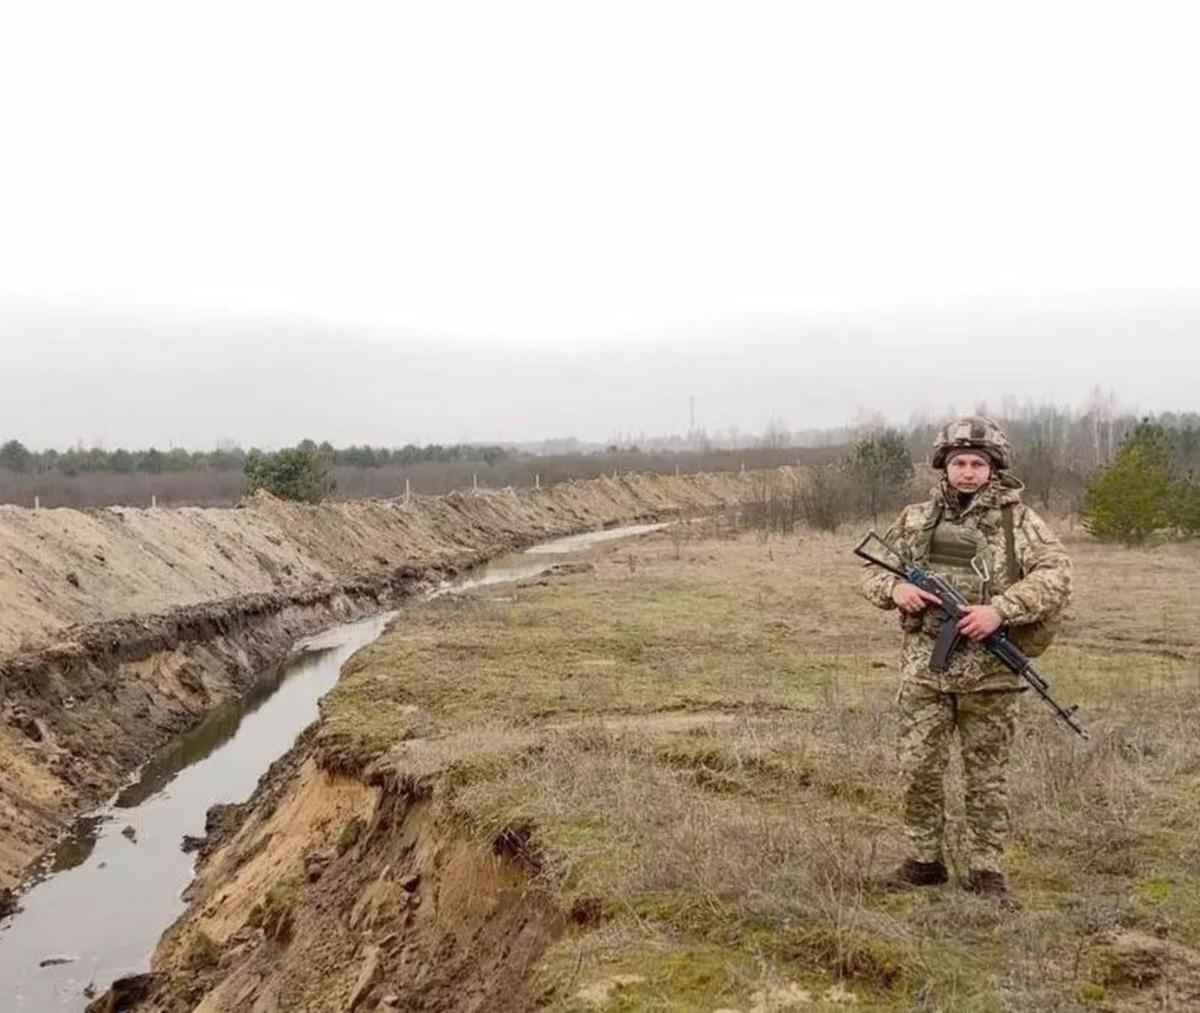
point(774, 506)
point(828, 497)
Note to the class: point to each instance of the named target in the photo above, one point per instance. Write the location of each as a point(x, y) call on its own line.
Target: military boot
point(912, 872)
point(992, 886)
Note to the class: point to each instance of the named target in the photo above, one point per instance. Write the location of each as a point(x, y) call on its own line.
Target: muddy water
point(539, 558)
point(577, 543)
point(114, 882)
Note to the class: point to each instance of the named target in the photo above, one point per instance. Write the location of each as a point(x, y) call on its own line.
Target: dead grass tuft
point(202, 951)
point(275, 913)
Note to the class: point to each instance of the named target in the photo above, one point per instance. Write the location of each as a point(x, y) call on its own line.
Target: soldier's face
point(967, 472)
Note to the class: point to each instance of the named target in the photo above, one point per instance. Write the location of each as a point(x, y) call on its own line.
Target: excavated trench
point(121, 628)
point(77, 717)
point(98, 904)
point(95, 905)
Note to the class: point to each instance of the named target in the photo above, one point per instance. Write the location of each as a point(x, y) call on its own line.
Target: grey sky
point(193, 380)
point(393, 222)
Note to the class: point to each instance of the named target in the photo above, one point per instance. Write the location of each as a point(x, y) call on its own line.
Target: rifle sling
point(1010, 544)
point(930, 531)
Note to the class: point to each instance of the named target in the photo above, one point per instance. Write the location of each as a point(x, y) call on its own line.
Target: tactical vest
point(950, 549)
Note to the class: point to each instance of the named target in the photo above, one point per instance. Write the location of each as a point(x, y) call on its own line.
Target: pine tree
point(881, 468)
point(296, 473)
point(1186, 507)
point(1134, 496)
point(15, 456)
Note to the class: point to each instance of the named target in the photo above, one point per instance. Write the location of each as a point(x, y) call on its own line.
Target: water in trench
point(577, 543)
point(114, 881)
point(539, 558)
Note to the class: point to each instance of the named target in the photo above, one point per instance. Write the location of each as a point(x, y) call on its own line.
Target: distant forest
point(229, 457)
point(1058, 449)
point(95, 478)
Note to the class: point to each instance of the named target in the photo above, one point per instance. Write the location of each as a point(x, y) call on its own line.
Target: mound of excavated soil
point(60, 568)
point(121, 627)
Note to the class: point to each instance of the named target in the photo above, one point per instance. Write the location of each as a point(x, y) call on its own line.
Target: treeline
point(1060, 451)
point(17, 458)
point(319, 470)
point(1141, 480)
point(1078, 462)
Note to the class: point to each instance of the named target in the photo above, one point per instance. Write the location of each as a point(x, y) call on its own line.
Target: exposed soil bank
point(329, 891)
point(125, 859)
point(79, 718)
point(121, 627)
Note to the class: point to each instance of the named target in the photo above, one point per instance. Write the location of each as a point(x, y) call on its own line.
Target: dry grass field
point(690, 747)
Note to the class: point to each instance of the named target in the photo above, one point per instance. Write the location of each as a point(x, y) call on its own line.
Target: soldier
point(976, 533)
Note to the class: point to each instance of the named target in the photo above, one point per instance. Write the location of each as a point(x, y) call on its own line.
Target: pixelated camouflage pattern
point(985, 724)
point(1041, 593)
point(976, 432)
point(974, 699)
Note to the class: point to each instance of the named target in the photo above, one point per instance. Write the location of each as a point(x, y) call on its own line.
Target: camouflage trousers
point(984, 722)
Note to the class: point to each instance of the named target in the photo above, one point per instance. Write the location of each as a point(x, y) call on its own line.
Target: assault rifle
point(952, 604)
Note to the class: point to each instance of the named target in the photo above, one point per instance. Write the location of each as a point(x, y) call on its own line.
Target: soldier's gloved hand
point(979, 622)
point(911, 598)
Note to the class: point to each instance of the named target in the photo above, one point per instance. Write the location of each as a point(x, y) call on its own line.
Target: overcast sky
point(399, 222)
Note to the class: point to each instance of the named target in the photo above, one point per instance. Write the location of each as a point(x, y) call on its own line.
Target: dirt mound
point(63, 568)
point(1141, 971)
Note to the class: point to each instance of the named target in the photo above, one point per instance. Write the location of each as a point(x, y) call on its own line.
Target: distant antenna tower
point(692, 412)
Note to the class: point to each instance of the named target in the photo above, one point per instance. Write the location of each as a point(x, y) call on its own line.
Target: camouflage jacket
point(1039, 591)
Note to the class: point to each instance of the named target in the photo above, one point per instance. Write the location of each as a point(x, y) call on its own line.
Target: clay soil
point(669, 782)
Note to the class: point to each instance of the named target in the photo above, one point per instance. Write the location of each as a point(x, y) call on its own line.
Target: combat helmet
point(973, 432)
